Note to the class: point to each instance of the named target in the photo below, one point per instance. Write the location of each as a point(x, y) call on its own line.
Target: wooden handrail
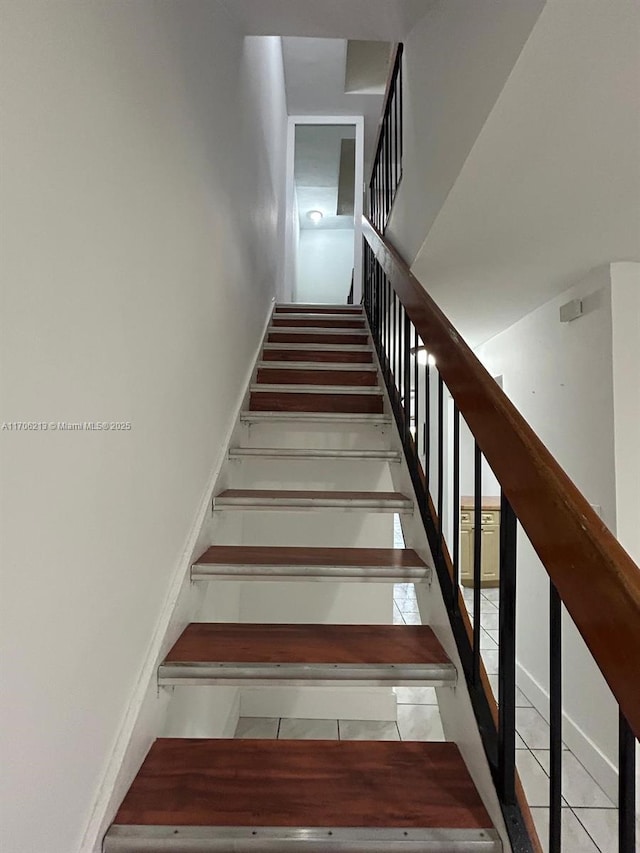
point(596, 579)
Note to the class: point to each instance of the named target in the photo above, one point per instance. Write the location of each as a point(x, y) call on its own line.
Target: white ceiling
point(375, 20)
point(315, 34)
point(367, 68)
point(551, 188)
point(314, 70)
point(316, 173)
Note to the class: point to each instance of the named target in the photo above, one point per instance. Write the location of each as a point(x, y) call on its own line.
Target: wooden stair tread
point(304, 401)
point(308, 644)
point(317, 309)
point(284, 337)
point(319, 356)
point(195, 782)
point(293, 376)
point(284, 555)
point(318, 323)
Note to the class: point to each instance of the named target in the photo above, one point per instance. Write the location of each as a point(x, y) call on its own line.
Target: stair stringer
point(147, 713)
point(456, 710)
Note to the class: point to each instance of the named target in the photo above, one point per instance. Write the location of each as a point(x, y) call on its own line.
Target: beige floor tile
point(602, 826)
point(534, 780)
point(419, 722)
point(367, 730)
point(296, 729)
point(575, 838)
point(257, 727)
point(579, 788)
point(532, 728)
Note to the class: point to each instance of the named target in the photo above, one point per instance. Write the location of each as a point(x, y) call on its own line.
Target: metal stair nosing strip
point(248, 416)
point(341, 574)
point(284, 503)
point(190, 673)
point(318, 308)
point(301, 453)
point(306, 315)
point(122, 838)
point(318, 574)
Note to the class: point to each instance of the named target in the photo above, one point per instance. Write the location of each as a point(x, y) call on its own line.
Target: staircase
point(317, 371)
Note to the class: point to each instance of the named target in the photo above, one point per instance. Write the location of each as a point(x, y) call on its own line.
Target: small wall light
point(424, 357)
point(315, 215)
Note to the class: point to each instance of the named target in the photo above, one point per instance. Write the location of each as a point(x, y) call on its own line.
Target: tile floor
point(589, 817)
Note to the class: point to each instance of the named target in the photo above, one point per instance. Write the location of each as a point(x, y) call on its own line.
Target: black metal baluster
point(416, 396)
point(387, 168)
point(440, 458)
point(394, 340)
point(555, 720)
point(370, 303)
point(407, 378)
point(427, 423)
point(394, 141)
point(626, 787)
point(376, 292)
point(385, 363)
point(374, 184)
point(366, 295)
point(383, 181)
point(401, 316)
point(379, 189)
point(507, 653)
point(401, 93)
point(477, 557)
point(383, 324)
point(378, 186)
point(392, 147)
point(456, 505)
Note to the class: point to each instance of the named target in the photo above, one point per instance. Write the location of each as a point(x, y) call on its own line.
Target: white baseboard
point(319, 703)
point(144, 717)
point(585, 750)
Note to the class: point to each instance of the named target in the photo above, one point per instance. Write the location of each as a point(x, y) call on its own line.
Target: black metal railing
point(350, 294)
point(423, 411)
point(387, 165)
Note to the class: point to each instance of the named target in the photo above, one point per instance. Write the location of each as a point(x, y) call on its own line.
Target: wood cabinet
point(490, 547)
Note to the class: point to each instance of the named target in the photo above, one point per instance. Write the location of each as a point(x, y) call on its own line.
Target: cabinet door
point(466, 555)
point(490, 561)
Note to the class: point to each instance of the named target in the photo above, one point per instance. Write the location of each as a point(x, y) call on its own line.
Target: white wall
point(325, 263)
point(456, 61)
point(142, 147)
point(560, 378)
point(625, 309)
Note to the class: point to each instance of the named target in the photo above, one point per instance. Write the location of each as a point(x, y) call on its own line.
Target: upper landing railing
point(387, 165)
point(422, 356)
